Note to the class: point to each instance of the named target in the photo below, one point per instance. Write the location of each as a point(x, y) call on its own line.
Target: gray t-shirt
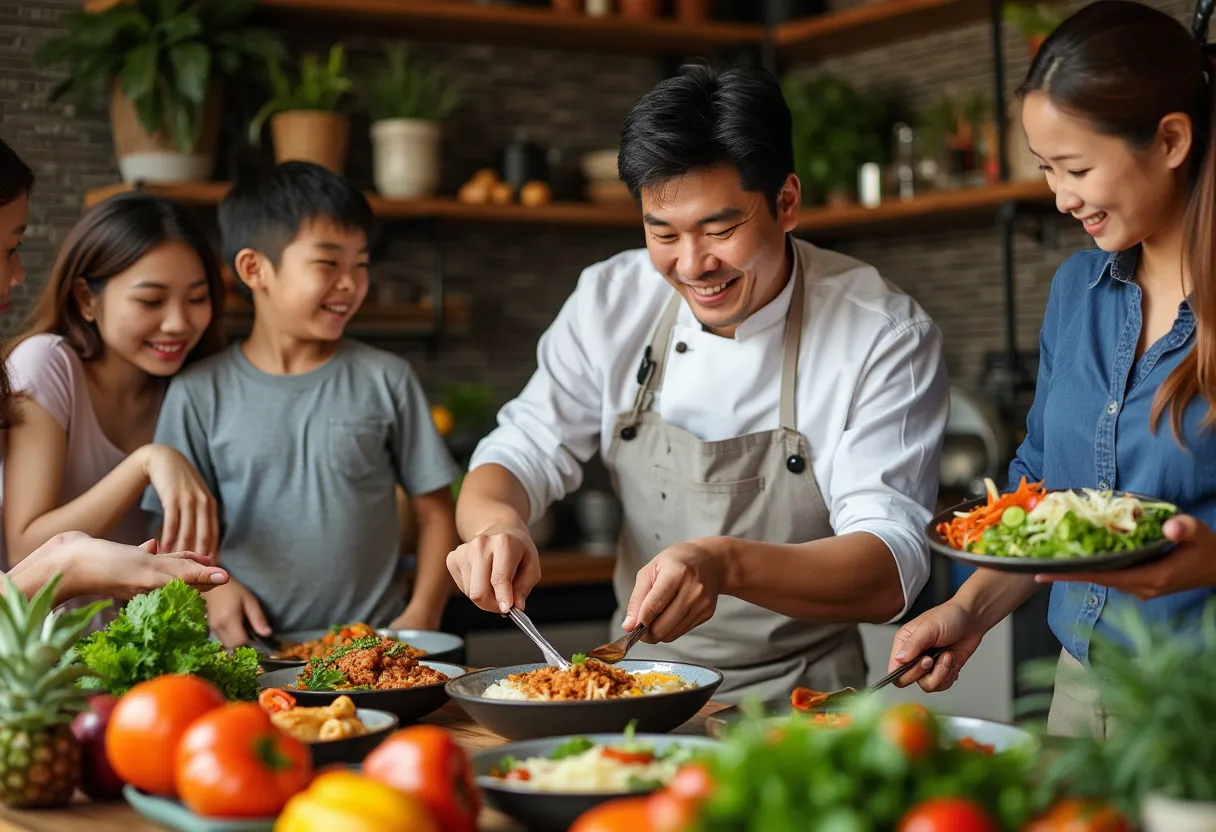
point(304, 469)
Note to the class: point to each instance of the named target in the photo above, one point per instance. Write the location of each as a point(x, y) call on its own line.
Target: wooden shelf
point(851, 220)
point(874, 24)
point(928, 209)
point(623, 214)
point(466, 21)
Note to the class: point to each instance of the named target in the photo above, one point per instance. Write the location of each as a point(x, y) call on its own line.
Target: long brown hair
point(1123, 67)
point(16, 181)
point(109, 239)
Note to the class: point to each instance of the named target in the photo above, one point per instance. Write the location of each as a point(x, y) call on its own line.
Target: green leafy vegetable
point(578, 658)
point(643, 784)
point(161, 632)
point(571, 748)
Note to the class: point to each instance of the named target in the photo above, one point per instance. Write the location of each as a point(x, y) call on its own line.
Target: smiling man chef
point(771, 413)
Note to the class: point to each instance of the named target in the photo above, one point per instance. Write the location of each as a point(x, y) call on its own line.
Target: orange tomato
point(147, 724)
point(674, 808)
point(425, 761)
point(234, 763)
point(947, 814)
point(910, 727)
point(1076, 815)
point(968, 744)
point(627, 814)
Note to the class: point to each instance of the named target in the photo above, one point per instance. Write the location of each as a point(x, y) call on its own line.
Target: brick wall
point(518, 276)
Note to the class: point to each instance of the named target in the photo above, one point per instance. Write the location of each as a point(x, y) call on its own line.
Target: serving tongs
point(524, 623)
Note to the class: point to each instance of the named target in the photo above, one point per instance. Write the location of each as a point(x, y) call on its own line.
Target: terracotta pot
point(1033, 43)
point(154, 157)
point(640, 9)
point(692, 11)
point(568, 6)
point(316, 136)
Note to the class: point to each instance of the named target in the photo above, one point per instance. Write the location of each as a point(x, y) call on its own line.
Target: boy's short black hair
point(704, 117)
point(265, 210)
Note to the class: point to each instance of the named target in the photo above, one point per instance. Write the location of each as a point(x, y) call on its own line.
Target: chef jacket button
point(796, 464)
point(628, 432)
point(681, 347)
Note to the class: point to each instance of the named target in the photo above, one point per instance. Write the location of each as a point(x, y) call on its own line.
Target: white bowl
point(600, 165)
point(986, 732)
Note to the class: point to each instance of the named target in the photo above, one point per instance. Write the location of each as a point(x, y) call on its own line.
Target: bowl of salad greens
point(1035, 530)
point(545, 784)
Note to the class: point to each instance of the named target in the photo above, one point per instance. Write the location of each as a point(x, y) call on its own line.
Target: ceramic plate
point(174, 815)
point(439, 647)
point(519, 720)
point(555, 811)
point(1089, 563)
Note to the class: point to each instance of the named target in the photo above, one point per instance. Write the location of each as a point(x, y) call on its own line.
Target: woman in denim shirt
point(1117, 107)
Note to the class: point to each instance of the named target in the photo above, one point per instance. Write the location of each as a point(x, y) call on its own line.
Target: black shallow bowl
point(556, 811)
point(439, 647)
point(407, 704)
point(655, 714)
point(1090, 563)
point(352, 750)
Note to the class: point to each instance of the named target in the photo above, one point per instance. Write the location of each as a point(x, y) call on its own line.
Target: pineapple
point(39, 756)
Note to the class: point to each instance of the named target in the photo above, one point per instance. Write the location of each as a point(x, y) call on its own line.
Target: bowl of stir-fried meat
point(334, 733)
point(530, 701)
point(301, 646)
point(374, 672)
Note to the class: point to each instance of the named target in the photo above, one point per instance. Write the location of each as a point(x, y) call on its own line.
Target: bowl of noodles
point(546, 784)
point(375, 672)
point(530, 701)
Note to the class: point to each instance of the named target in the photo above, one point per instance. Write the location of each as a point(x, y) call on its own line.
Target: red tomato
point(627, 814)
point(692, 782)
point(1075, 815)
point(947, 814)
point(910, 726)
point(234, 763)
point(1032, 501)
point(147, 724)
point(518, 774)
point(639, 757)
point(426, 762)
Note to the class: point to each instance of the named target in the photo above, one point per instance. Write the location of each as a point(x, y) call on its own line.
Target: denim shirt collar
point(1120, 265)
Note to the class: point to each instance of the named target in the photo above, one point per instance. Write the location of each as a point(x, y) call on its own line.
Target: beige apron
point(673, 487)
point(1076, 708)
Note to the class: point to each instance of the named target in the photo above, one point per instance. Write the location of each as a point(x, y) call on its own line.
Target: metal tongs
point(524, 623)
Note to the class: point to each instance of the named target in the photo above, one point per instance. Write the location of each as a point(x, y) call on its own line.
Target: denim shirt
point(1089, 428)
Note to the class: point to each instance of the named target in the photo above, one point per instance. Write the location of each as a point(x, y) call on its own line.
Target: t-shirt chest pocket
point(357, 448)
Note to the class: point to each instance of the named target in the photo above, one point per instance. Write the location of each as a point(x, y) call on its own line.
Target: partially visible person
point(93, 567)
point(88, 566)
point(304, 435)
point(1118, 108)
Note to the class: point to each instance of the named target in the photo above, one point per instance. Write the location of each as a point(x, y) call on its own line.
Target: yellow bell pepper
point(343, 801)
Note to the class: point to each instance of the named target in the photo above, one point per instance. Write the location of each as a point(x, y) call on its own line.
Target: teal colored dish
point(174, 815)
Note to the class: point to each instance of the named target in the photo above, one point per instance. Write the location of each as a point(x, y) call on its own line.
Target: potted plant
point(836, 130)
point(407, 104)
point(1158, 760)
point(306, 123)
point(1035, 22)
point(160, 64)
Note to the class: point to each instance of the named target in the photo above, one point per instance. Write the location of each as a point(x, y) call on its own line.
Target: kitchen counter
point(119, 817)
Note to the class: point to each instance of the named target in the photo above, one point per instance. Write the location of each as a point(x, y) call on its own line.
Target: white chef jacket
point(872, 396)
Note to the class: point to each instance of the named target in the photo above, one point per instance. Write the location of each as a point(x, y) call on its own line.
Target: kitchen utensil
point(615, 651)
point(524, 623)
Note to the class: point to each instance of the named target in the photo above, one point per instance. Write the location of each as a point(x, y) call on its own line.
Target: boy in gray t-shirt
point(303, 436)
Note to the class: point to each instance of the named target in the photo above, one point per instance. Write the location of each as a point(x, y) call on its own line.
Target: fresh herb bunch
point(791, 776)
point(1159, 691)
point(162, 54)
point(408, 90)
point(320, 87)
point(161, 632)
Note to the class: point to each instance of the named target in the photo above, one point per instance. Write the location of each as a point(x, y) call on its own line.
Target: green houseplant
point(1035, 21)
point(836, 129)
point(1159, 758)
point(407, 102)
point(306, 120)
point(161, 65)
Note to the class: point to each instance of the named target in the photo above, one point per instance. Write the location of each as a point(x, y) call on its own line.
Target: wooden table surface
point(119, 817)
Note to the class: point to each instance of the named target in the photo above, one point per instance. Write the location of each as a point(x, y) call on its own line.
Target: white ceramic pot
point(405, 158)
point(1165, 814)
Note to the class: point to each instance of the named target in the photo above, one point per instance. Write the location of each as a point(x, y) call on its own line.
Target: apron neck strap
point(650, 374)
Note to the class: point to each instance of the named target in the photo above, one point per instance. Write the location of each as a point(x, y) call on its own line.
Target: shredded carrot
point(805, 699)
point(967, 529)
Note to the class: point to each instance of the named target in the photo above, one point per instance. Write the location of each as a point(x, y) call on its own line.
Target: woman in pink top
point(88, 565)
